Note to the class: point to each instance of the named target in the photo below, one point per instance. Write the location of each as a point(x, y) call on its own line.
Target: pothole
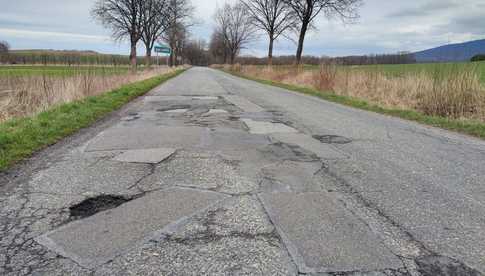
point(216, 111)
point(174, 107)
point(177, 111)
point(283, 151)
point(197, 111)
point(95, 205)
point(131, 117)
point(440, 265)
point(332, 139)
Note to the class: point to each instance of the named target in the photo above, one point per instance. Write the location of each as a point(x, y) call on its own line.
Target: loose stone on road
point(210, 174)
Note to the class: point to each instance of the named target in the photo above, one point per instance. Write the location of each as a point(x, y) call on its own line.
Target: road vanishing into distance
point(210, 174)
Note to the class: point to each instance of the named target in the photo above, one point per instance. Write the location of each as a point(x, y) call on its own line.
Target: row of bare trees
point(149, 21)
point(397, 58)
point(240, 23)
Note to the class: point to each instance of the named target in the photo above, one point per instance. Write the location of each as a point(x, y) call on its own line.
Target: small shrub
point(236, 67)
point(480, 57)
point(326, 77)
point(454, 94)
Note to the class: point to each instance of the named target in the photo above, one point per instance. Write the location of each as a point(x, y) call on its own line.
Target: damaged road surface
point(210, 174)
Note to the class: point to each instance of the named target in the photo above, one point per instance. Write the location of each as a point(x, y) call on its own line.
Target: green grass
point(21, 137)
point(53, 70)
point(473, 128)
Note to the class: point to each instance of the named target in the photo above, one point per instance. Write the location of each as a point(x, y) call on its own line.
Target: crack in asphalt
point(16, 242)
point(378, 220)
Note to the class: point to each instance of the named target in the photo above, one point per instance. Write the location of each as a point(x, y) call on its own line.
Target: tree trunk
point(301, 40)
point(133, 56)
point(270, 50)
point(175, 57)
point(233, 57)
point(170, 58)
point(148, 57)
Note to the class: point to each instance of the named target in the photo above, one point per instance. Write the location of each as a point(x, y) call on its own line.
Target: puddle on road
point(95, 205)
point(332, 139)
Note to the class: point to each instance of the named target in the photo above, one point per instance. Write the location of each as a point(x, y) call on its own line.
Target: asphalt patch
point(98, 239)
point(443, 266)
point(322, 235)
point(95, 205)
point(332, 139)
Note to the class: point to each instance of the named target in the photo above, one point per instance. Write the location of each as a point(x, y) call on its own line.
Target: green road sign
point(163, 50)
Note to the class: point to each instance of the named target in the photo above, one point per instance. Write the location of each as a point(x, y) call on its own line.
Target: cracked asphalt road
point(210, 174)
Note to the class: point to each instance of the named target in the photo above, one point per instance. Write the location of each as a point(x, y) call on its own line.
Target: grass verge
point(470, 127)
point(21, 137)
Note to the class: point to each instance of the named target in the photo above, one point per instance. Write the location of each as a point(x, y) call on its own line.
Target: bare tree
point(4, 47)
point(218, 47)
point(273, 17)
point(180, 15)
point(195, 52)
point(234, 22)
point(124, 18)
point(155, 15)
point(308, 10)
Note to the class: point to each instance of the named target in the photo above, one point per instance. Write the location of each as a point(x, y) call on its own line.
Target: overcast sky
point(385, 26)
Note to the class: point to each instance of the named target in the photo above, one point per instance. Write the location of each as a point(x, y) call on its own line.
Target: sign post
point(162, 49)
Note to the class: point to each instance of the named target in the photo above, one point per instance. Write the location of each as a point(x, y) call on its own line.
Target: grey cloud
point(469, 23)
point(425, 9)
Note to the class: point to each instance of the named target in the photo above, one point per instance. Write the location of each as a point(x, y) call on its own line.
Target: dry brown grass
point(27, 95)
point(454, 93)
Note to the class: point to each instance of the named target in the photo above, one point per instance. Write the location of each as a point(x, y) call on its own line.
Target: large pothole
point(332, 139)
point(95, 205)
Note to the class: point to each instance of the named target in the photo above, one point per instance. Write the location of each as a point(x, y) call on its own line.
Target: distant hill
point(452, 52)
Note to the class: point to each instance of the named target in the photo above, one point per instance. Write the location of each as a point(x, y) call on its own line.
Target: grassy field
point(58, 70)
point(20, 137)
point(399, 70)
point(26, 90)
